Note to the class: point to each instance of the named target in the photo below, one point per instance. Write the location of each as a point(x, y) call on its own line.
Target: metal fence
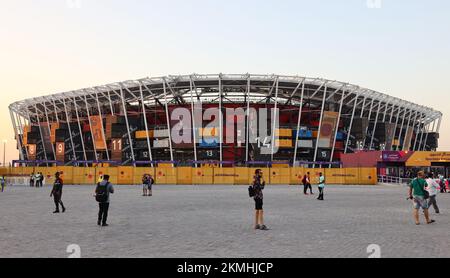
point(393, 180)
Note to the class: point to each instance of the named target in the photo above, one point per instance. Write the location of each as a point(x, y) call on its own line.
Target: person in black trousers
point(307, 184)
point(258, 187)
point(57, 193)
point(102, 192)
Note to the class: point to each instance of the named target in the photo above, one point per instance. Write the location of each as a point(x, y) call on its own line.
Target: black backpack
point(251, 191)
point(101, 193)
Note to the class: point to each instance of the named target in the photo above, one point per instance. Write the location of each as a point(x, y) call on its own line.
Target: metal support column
point(274, 119)
point(146, 125)
point(49, 131)
point(90, 128)
point(194, 130)
point(16, 133)
point(397, 118)
point(422, 133)
point(320, 125)
point(40, 132)
point(21, 129)
point(220, 121)
point(337, 126)
point(426, 136)
point(300, 111)
point(80, 129)
point(130, 141)
point(418, 122)
point(370, 116)
point(349, 133)
point(70, 130)
point(110, 104)
point(247, 137)
point(168, 120)
point(375, 126)
point(102, 126)
point(401, 131)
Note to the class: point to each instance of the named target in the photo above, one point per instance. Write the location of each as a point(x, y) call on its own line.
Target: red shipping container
point(339, 145)
point(86, 127)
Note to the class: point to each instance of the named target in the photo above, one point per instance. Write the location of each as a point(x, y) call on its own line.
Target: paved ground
point(207, 221)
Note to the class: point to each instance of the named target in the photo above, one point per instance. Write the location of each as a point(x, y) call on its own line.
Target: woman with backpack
point(256, 191)
point(101, 195)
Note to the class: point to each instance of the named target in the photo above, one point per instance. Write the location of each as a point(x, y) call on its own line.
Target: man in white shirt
point(432, 188)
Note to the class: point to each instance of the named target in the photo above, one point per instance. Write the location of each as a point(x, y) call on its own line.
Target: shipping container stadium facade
point(130, 123)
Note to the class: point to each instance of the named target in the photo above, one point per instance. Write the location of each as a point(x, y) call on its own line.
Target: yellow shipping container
point(335, 176)
point(202, 175)
point(351, 176)
point(241, 176)
point(184, 175)
point(142, 134)
point(280, 176)
point(224, 175)
point(368, 176)
point(283, 132)
point(283, 143)
point(297, 174)
point(165, 175)
point(125, 175)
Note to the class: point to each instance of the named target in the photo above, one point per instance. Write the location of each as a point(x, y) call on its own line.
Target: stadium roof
point(179, 89)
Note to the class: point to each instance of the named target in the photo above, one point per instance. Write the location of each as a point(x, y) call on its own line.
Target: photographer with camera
point(256, 191)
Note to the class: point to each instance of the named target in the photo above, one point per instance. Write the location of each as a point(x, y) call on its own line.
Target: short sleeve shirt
point(418, 187)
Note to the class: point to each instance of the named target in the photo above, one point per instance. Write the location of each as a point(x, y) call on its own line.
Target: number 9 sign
point(60, 148)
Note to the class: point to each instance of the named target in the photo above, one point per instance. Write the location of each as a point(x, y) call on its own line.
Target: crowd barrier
point(128, 175)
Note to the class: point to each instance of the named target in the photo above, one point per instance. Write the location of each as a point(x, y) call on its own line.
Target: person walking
point(102, 192)
point(307, 184)
point(57, 193)
point(432, 189)
point(37, 180)
point(2, 183)
point(257, 192)
point(150, 185)
point(419, 195)
point(32, 180)
point(321, 187)
point(40, 180)
point(444, 185)
point(145, 185)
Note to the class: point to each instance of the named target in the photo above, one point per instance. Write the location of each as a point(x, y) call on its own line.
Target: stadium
point(315, 121)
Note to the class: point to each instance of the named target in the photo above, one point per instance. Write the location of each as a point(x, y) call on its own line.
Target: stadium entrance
point(400, 164)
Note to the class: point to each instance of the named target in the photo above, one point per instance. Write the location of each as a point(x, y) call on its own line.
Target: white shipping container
point(158, 133)
point(161, 143)
point(305, 143)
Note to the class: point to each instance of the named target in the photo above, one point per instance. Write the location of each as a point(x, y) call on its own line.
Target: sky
point(397, 47)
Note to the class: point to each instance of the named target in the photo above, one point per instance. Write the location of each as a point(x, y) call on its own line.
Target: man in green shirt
point(417, 194)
